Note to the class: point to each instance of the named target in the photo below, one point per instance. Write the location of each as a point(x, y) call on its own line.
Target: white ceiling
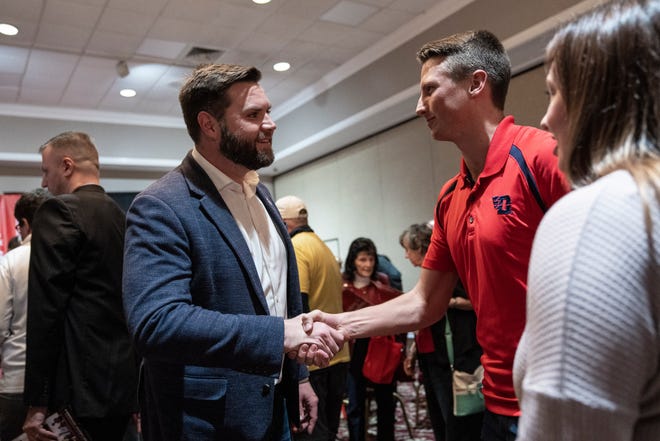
point(62, 63)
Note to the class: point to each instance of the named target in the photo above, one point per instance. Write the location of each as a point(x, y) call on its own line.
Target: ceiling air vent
point(202, 55)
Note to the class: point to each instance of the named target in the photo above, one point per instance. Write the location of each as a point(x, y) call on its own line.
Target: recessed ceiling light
point(127, 93)
point(7, 29)
point(261, 2)
point(282, 66)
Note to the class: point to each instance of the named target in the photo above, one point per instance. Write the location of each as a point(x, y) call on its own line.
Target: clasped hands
point(313, 338)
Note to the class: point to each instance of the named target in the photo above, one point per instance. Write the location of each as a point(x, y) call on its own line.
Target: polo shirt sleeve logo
point(502, 204)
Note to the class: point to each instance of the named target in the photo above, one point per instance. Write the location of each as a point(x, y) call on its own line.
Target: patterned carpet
point(412, 408)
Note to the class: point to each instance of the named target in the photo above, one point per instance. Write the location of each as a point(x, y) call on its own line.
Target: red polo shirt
point(484, 231)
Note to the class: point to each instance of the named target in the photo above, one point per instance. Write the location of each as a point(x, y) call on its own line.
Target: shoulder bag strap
point(450, 343)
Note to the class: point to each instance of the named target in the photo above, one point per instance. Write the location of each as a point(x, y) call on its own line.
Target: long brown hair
point(607, 66)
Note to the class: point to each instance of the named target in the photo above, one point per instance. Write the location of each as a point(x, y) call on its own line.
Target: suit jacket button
point(265, 390)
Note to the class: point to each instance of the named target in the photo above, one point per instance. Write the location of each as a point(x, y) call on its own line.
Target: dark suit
point(196, 307)
point(79, 352)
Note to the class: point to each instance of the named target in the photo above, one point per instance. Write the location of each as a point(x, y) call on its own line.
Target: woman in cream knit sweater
point(588, 364)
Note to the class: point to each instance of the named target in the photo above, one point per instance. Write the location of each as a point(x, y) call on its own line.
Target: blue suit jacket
point(197, 311)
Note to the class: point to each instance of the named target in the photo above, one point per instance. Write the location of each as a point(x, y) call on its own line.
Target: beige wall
point(379, 186)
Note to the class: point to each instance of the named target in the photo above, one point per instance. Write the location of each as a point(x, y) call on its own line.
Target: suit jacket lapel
point(212, 203)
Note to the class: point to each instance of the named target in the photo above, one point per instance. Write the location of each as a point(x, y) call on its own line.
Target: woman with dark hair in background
point(587, 367)
point(431, 350)
point(364, 286)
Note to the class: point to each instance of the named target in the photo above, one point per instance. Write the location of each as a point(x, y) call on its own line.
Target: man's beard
point(244, 152)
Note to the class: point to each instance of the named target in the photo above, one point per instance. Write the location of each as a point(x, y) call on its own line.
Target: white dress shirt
point(14, 268)
point(259, 232)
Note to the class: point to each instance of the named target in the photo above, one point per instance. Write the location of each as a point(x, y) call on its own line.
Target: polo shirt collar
point(498, 152)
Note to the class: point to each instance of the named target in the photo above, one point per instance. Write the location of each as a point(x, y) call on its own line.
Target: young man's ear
point(478, 82)
point(26, 225)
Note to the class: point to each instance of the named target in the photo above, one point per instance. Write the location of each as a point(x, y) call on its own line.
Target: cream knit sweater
point(587, 367)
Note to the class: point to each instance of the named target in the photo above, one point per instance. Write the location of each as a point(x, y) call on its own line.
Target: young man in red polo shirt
point(485, 218)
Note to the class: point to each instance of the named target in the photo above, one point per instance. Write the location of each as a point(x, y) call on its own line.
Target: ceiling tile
point(242, 57)
point(70, 13)
point(151, 7)
point(22, 9)
point(9, 93)
point(315, 70)
point(153, 47)
point(387, 20)
point(89, 2)
point(13, 59)
point(125, 22)
point(250, 16)
point(224, 37)
point(35, 94)
point(380, 3)
point(63, 37)
point(173, 29)
point(197, 10)
point(284, 26)
point(261, 44)
point(338, 54)
point(305, 49)
point(358, 39)
point(87, 93)
point(52, 68)
point(305, 8)
point(97, 63)
point(416, 7)
point(82, 97)
point(10, 79)
point(113, 44)
point(41, 79)
point(89, 82)
point(349, 13)
point(324, 33)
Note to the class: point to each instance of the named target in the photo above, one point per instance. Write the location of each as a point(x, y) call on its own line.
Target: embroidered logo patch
point(502, 204)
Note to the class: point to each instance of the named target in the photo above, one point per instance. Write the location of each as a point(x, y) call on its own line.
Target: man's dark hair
point(206, 90)
point(28, 204)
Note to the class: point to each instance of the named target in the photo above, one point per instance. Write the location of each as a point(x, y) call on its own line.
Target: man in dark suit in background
point(210, 280)
point(79, 353)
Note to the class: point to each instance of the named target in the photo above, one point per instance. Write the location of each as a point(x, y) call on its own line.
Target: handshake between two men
point(313, 338)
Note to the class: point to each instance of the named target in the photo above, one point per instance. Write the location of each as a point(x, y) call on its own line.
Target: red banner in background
point(7, 220)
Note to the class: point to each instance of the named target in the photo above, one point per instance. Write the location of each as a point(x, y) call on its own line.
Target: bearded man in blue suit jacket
point(210, 281)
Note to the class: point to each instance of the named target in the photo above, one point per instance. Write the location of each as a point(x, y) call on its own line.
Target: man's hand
point(34, 425)
point(317, 346)
point(308, 402)
point(306, 354)
point(309, 318)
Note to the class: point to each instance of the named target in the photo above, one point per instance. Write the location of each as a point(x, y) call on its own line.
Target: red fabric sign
point(7, 219)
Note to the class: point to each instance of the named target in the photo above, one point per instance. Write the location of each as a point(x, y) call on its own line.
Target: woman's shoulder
point(616, 195)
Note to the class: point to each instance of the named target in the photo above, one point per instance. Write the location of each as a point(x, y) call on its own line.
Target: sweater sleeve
point(589, 354)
